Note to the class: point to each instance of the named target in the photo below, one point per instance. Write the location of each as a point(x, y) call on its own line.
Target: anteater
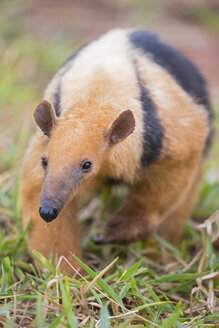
point(125, 106)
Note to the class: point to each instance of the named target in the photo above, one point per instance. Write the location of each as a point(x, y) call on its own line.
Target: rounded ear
point(121, 128)
point(44, 116)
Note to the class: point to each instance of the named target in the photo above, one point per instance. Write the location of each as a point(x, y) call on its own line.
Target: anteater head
point(78, 144)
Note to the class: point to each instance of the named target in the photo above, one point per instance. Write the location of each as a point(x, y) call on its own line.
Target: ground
point(147, 284)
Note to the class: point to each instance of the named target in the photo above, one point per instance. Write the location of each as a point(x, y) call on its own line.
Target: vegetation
point(146, 284)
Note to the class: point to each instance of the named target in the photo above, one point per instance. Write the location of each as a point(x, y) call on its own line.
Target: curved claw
point(102, 240)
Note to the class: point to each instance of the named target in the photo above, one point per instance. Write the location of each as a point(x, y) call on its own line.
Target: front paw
point(102, 240)
point(123, 229)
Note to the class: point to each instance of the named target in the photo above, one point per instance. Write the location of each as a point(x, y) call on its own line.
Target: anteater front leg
point(132, 221)
point(57, 238)
point(163, 190)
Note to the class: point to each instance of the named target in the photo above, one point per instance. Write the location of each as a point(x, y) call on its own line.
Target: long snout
point(57, 192)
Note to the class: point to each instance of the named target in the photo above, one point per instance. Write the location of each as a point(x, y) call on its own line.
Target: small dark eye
point(86, 166)
point(44, 162)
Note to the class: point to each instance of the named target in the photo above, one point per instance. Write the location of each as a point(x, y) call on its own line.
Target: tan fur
point(93, 97)
point(172, 227)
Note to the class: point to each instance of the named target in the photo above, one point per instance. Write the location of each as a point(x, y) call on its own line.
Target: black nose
point(48, 213)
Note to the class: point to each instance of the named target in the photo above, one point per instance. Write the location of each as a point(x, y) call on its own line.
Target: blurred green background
point(36, 36)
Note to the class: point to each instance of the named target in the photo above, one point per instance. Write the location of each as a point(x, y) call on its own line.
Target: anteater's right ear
point(45, 117)
point(121, 128)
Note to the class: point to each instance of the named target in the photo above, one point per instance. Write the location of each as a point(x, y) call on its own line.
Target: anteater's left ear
point(45, 117)
point(121, 128)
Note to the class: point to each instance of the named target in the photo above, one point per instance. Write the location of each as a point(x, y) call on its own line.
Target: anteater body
point(125, 106)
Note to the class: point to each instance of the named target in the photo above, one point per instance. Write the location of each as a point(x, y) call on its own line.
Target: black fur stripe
point(153, 129)
point(64, 69)
point(182, 69)
point(57, 99)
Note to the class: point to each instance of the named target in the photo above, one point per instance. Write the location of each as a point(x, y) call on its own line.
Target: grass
point(146, 284)
point(154, 286)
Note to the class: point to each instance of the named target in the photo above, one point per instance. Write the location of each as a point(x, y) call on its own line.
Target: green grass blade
point(106, 288)
point(64, 286)
point(167, 245)
point(44, 261)
point(55, 323)
point(154, 296)
point(39, 309)
point(130, 272)
point(104, 317)
point(124, 290)
point(171, 321)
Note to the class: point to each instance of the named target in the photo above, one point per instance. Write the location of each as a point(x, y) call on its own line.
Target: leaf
point(20, 239)
point(4, 309)
point(170, 321)
point(144, 306)
point(72, 320)
point(44, 261)
point(57, 321)
point(4, 284)
point(40, 321)
point(130, 272)
point(124, 290)
point(167, 245)
point(106, 288)
point(176, 277)
point(96, 296)
point(154, 296)
point(104, 317)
